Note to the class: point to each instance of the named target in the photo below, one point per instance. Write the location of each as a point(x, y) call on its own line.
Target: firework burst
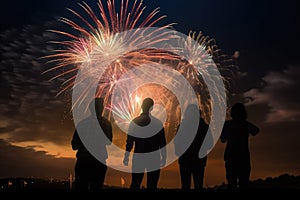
point(97, 49)
point(201, 51)
point(96, 41)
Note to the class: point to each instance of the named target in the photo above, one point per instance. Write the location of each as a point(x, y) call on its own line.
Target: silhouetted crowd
point(146, 134)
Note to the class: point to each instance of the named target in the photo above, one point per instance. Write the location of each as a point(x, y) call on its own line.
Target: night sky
point(35, 125)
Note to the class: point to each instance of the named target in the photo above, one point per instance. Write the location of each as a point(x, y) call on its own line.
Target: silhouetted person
point(89, 172)
point(237, 155)
point(190, 165)
point(154, 143)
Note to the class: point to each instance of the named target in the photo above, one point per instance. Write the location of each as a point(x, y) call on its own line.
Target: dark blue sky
point(264, 31)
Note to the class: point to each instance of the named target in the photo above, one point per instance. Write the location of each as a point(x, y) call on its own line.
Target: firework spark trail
point(194, 70)
point(196, 67)
point(98, 42)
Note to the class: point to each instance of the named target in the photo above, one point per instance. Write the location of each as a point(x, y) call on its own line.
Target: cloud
point(280, 92)
point(25, 162)
point(30, 110)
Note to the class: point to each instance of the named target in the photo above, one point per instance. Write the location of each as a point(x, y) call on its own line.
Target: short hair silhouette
point(238, 112)
point(153, 144)
point(96, 106)
point(147, 104)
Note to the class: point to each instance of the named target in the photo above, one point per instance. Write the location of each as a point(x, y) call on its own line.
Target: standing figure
point(237, 155)
point(190, 165)
point(143, 145)
point(90, 172)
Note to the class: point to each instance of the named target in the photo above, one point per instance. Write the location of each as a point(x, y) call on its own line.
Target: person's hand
point(125, 161)
point(126, 158)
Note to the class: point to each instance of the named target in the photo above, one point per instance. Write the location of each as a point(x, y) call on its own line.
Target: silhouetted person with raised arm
point(90, 172)
point(144, 144)
point(237, 155)
point(190, 165)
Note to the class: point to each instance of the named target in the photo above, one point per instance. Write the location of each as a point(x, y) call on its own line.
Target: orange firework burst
point(97, 49)
point(97, 40)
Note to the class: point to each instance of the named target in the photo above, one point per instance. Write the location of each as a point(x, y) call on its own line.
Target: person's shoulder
point(106, 121)
point(85, 121)
point(137, 119)
point(251, 125)
point(156, 121)
point(230, 121)
point(203, 126)
point(248, 122)
point(203, 122)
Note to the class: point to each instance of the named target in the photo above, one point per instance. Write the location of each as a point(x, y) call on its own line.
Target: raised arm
point(252, 129)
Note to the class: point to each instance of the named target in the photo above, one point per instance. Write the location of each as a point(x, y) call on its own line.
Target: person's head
point(238, 112)
point(96, 106)
point(147, 105)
